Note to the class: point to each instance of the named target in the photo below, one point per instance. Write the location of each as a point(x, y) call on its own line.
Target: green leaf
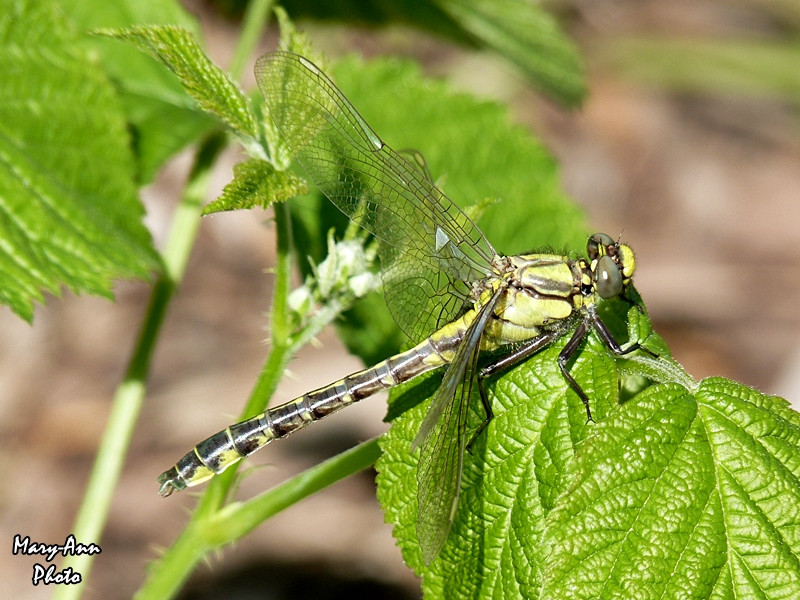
point(675, 493)
point(211, 88)
point(529, 36)
point(257, 183)
point(682, 494)
point(162, 118)
point(68, 208)
point(296, 41)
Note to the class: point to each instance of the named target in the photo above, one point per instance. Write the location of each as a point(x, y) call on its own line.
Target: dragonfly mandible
point(440, 275)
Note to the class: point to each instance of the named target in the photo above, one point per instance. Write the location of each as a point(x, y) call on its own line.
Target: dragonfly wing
point(416, 285)
point(421, 297)
point(442, 438)
point(429, 247)
point(416, 160)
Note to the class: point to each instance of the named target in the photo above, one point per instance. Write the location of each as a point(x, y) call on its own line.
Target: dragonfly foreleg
point(608, 339)
point(611, 342)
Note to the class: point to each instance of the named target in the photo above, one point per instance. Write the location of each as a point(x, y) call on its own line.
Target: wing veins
point(442, 439)
point(384, 192)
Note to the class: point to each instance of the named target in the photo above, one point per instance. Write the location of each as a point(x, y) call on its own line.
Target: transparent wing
point(442, 438)
point(416, 160)
point(430, 250)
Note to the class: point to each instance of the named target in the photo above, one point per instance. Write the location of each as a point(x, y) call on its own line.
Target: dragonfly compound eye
point(607, 278)
point(598, 244)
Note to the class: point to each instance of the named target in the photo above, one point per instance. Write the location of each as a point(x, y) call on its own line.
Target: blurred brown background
point(704, 184)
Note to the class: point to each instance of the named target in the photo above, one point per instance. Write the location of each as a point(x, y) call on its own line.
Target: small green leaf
point(257, 183)
point(69, 215)
point(213, 90)
point(296, 41)
point(529, 36)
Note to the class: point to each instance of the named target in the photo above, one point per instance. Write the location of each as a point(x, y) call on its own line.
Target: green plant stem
point(129, 395)
point(166, 575)
point(279, 318)
point(255, 20)
point(213, 524)
point(239, 519)
point(230, 523)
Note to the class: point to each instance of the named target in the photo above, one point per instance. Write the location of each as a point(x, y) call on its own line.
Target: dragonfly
point(439, 275)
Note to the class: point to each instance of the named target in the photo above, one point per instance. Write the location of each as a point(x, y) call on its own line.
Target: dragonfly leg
point(608, 339)
point(506, 362)
point(612, 343)
point(519, 355)
point(566, 353)
point(487, 407)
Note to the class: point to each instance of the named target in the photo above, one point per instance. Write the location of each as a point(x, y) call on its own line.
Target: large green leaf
point(162, 117)
point(682, 494)
point(675, 493)
point(69, 215)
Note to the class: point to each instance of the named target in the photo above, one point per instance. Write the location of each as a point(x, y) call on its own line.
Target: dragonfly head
point(612, 265)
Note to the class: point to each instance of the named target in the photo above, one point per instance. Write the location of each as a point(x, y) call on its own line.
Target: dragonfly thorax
point(543, 291)
point(537, 290)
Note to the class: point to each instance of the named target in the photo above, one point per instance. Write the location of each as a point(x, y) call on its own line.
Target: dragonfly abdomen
point(227, 447)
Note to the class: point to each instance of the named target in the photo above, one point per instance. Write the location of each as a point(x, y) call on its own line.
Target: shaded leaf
point(529, 36)
point(211, 88)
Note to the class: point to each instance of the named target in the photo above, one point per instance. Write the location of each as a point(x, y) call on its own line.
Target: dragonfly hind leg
point(487, 407)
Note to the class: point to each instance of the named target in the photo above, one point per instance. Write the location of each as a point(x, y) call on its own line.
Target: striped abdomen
point(216, 453)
